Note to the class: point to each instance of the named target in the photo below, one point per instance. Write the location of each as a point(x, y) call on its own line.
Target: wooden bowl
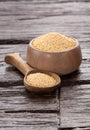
point(64, 62)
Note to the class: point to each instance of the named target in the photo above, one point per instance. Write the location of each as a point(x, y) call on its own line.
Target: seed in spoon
point(41, 80)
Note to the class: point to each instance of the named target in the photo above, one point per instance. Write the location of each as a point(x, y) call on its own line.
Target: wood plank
point(16, 98)
point(26, 121)
point(28, 19)
point(75, 106)
point(46, 1)
point(81, 76)
point(14, 77)
point(5, 49)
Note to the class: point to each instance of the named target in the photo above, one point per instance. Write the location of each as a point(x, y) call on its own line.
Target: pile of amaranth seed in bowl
point(53, 42)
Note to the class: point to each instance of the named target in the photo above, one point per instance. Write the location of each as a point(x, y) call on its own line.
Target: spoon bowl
point(42, 89)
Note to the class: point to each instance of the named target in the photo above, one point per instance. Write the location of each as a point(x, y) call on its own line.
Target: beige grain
point(53, 42)
point(40, 80)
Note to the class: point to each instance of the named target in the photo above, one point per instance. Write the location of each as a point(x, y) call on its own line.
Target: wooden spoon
point(15, 60)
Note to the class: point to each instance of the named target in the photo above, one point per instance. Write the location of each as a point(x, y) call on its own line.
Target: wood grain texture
point(75, 106)
point(22, 101)
point(76, 128)
point(28, 19)
point(68, 108)
point(28, 121)
point(16, 98)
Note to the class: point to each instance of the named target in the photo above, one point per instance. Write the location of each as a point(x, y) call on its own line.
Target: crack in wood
point(34, 111)
point(14, 41)
point(76, 128)
point(11, 83)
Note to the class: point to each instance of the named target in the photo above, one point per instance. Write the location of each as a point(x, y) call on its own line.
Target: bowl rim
point(56, 52)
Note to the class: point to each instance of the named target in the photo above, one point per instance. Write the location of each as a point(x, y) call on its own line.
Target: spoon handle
point(15, 60)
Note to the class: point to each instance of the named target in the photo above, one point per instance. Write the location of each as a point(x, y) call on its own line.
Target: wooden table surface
point(67, 108)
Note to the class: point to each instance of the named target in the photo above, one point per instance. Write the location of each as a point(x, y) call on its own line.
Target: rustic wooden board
point(16, 98)
point(28, 121)
point(24, 19)
point(75, 106)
